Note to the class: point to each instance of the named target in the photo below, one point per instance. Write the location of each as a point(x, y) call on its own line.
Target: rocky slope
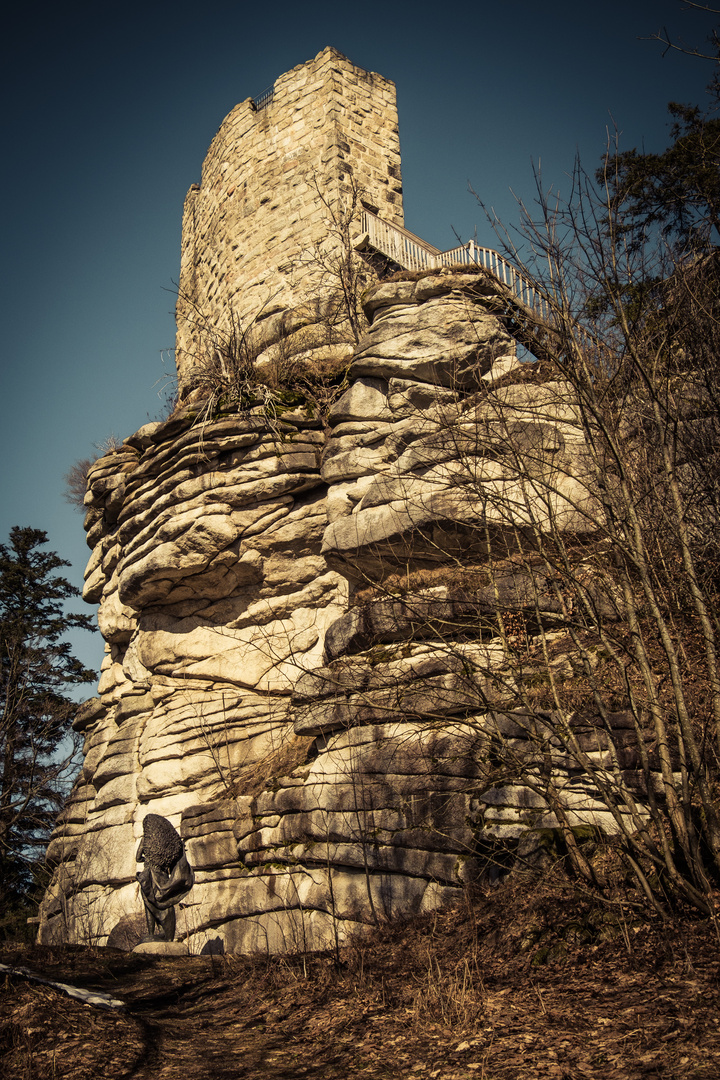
point(298, 674)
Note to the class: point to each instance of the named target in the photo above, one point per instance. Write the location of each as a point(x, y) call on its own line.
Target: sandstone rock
point(89, 713)
point(367, 399)
point(429, 332)
point(162, 948)
point(408, 398)
point(327, 766)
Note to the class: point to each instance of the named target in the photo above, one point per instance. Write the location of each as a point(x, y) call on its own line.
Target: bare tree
point(76, 476)
point(568, 572)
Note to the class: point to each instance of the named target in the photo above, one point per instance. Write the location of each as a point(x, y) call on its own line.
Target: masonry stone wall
point(272, 180)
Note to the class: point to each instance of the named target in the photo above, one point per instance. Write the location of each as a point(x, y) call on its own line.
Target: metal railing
point(412, 253)
point(264, 99)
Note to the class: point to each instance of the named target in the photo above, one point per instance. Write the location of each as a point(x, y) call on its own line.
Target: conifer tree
point(678, 190)
point(37, 669)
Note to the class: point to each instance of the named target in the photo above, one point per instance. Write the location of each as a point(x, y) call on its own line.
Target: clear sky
point(109, 110)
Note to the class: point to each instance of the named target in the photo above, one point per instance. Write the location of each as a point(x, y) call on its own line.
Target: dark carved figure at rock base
point(166, 878)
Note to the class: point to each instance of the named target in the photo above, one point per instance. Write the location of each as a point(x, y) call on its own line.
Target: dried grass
point(514, 984)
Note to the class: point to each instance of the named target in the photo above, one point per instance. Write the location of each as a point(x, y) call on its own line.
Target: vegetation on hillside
point(529, 981)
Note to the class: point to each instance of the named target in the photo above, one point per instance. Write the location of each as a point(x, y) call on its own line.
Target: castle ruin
point(295, 675)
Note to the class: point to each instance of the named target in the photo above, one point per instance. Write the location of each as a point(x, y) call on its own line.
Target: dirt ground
point(527, 981)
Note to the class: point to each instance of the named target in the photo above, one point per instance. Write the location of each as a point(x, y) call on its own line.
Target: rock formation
point(327, 764)
point(298, 674)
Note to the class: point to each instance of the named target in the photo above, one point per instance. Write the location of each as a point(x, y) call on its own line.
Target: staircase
point(409, 252)
point(525, 311)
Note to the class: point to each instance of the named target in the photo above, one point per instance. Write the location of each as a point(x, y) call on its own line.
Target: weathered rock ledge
point(329, 762)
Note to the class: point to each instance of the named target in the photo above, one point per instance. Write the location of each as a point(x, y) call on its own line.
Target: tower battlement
point(276, 173)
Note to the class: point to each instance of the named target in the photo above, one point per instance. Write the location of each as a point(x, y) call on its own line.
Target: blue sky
point(109, 110)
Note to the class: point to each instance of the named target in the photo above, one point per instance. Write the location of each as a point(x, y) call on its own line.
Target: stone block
point(163, 948)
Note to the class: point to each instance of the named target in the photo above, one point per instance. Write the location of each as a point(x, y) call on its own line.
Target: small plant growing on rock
point(76, 476)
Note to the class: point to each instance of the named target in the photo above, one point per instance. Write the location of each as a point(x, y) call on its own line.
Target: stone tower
point(278, 173)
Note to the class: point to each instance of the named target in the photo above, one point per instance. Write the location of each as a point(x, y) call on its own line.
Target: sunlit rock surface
point(325, 728)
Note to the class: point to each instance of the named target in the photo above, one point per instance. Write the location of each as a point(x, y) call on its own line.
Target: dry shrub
point(452, 996)
point(264, 774)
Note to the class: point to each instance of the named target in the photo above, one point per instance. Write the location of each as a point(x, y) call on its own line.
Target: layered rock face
point(299, 674)
point(213, 599)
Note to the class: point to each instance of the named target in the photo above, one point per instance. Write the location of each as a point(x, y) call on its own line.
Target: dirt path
point(494, 992)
